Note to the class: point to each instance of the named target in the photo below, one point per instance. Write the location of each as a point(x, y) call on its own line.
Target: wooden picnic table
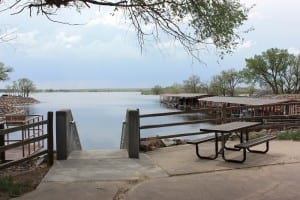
point(222, 133)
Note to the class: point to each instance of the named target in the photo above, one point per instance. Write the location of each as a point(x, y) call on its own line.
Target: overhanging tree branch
point(194, 23)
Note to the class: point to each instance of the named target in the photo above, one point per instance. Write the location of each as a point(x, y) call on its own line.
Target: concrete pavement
point(174, 173)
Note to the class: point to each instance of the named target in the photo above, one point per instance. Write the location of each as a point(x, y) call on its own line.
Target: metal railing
point(123, 141)
point(28, 141)
point(214, 115)
point(178, 123)
point(76, 145)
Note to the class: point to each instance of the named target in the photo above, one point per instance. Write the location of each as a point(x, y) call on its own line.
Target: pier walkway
point(173, 173)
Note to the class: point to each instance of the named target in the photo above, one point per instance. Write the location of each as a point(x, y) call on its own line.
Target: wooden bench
point(207, 139)
point(256, 141)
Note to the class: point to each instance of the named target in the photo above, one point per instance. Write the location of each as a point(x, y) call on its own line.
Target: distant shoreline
point(96, 90)
point(141, 90)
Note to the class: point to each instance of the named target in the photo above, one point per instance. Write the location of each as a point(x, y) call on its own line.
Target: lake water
point(99, 115)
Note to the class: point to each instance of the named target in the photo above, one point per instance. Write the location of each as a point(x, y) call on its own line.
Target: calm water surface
point(99, 115)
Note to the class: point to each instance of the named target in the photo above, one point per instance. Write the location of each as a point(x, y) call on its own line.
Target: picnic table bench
point(222, 133)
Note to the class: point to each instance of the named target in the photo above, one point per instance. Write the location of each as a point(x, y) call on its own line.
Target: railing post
point(67, 138)
point(2, 143)
point(50, 138)
point(133, 132)
point(61, 135)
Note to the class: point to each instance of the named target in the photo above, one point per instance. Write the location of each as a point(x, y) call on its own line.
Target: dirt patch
point(25, 176)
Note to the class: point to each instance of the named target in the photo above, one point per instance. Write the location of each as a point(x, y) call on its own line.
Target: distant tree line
point(21, 87)
point(275, 70)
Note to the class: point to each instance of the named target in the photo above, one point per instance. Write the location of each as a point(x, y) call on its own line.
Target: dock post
point(62, 134)
point(67, 137)
point(50, 138)
point(133, 132)
point(2, 143)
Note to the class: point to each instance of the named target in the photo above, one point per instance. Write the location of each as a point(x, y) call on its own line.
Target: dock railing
point(13, 120)
point(130, 138)
point(4, 147)
point(131, 128)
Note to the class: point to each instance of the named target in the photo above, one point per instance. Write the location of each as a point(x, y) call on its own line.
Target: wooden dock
point(22, 136)
point(183, 101)
point(19, 153)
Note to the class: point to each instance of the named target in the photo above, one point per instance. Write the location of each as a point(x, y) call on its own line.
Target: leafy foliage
point(276, 69)
point(157, 90)
point(226, 83)
point(194, 23)
point(193, 84)
point(22, 87)
point(4, 70)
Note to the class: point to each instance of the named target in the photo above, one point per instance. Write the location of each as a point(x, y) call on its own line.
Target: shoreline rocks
point(9, 104)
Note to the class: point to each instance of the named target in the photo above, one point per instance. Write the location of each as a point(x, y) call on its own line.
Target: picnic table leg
point(257, 151)
point(231, 160)
point(232, 148)
point(209, 157)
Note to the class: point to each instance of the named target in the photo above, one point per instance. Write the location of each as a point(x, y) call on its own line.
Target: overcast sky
point(104, 53)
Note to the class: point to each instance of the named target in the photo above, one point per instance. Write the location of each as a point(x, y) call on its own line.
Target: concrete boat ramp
point(173, 173)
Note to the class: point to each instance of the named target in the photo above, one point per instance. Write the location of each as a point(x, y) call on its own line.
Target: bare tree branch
point(7, 36)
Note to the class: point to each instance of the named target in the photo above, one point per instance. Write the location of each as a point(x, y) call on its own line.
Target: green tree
point(193, 84)
point(232, 79)
point(251, 89)
point(15, 88)
point(218, 85)
point(291, 76)
point(194, 23)
point(157, 90)
point(174, 89)
point(25, 86)
point(268, 69)
point(226, 82)
point(8, 89)
point(4, 70)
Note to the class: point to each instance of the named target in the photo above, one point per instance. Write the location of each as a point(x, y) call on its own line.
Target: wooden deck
point(17, 153)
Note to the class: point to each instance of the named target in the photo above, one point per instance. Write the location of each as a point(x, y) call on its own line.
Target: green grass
point(8, 186)
point(289, 135)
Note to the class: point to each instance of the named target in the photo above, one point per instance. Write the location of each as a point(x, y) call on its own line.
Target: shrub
point(7, 185)
point(289, 135)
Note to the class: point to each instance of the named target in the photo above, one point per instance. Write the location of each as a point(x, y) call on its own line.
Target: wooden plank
point(21, 143)
point(15, 162)
point(19, 128)
point(17, 153)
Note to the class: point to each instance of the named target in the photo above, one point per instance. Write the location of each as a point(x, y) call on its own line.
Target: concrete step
point(103, 165)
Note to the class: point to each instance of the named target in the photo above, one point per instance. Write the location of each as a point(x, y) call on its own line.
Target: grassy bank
point(289, 135)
